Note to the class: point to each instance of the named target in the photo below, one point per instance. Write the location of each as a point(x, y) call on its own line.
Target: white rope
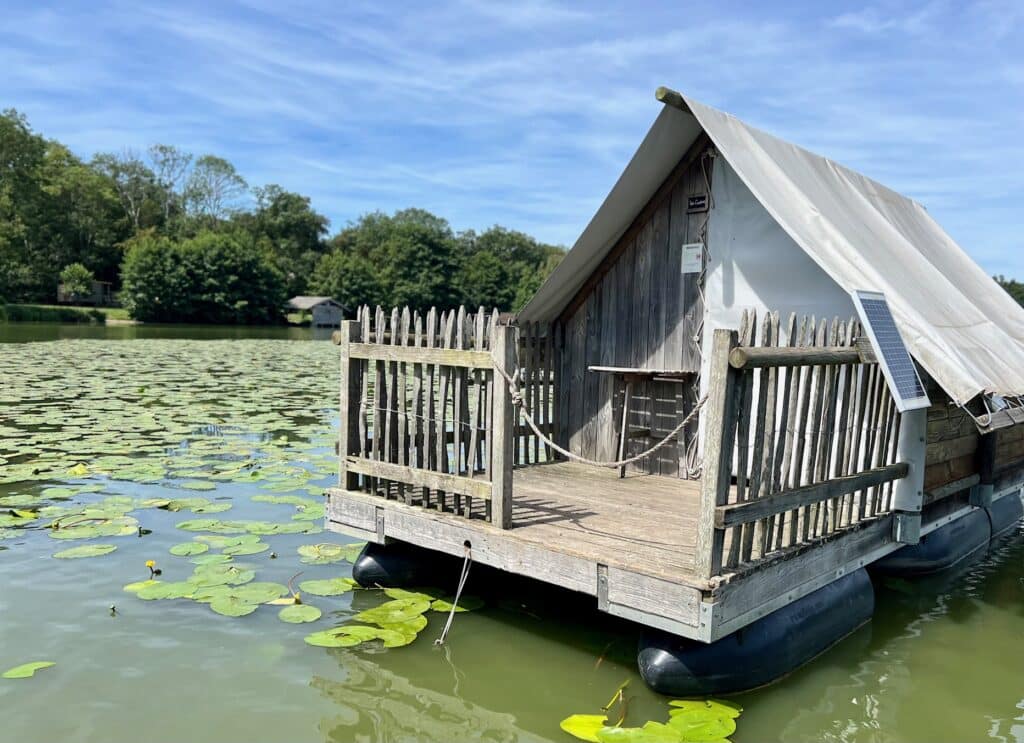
point(458, 594)
point(517, 400)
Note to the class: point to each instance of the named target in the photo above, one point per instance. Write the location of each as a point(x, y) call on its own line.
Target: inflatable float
point(761, 652)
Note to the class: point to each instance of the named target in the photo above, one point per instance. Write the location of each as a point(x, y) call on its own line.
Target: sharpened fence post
point(719, 432)
point(348, 430)
point(504, 350)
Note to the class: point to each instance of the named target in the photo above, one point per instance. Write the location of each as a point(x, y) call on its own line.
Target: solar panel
point(897, 366)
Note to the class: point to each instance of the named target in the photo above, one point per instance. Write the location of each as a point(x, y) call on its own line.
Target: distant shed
point(326, 312)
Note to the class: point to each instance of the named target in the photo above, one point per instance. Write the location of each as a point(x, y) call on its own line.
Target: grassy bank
point(53, 313)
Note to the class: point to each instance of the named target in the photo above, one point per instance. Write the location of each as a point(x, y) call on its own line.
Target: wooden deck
point(629, 542)
point(644, 522)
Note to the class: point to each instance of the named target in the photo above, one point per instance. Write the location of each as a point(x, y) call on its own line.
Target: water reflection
point(373, 703)
point(943, 663)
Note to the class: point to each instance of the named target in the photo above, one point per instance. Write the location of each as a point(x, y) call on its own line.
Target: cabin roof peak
point(959, 325)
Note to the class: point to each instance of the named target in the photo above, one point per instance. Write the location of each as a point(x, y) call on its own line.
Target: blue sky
point(524, 114)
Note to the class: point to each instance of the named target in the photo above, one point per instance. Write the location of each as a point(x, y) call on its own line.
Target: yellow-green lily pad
point(328, 587)
point(299, 613)
point(27, 670)
point(86, 550)
point(187, 549)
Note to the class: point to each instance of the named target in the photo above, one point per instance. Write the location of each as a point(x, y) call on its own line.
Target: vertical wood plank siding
point(638, 310)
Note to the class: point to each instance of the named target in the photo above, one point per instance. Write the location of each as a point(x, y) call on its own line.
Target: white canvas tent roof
point(963, 329)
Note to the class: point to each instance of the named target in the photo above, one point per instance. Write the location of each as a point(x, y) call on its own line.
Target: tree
point(1012, 287)
point(503, 268)
point(170, 168)
point(135, 183)
point(21, 196)
point(77, 280)
point(349, 278)
point(213, 188)
point(294, 230)
point(214, 277)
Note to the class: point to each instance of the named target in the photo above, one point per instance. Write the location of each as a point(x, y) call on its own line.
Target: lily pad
point(27, 670)
point(328, 587)
point(466, 603)
point(232, 606)
point(584, 727)
point(299, 613)
point(86, 550)
point(211, 559)
point(186, 549)
point(259, 593)
point(326, 553)
point(249, 548)
point(713, 707)
point(702, 726)
point(424, 594)
point(161, 590)
point(393, 612)
point(410, 627)
point(354, 634)
point(138, 586)
point(221, 575)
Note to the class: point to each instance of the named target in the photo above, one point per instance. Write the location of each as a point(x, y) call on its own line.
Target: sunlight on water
point(941, 660)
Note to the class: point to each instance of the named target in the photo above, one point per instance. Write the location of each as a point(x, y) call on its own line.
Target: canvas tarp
point(960, 326)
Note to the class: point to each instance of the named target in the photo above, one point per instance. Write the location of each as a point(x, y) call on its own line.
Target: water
point(942, 659)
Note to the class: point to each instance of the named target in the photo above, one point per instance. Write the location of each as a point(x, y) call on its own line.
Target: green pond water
point(214, 421)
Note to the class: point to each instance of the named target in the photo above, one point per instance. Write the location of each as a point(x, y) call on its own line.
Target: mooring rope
point(467, 561)
point(517, 400)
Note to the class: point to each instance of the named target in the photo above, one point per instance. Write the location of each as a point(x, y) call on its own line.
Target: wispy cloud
point(524, 114)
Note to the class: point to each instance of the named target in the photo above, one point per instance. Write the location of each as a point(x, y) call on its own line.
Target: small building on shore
point(101, 294)
point(325, 312)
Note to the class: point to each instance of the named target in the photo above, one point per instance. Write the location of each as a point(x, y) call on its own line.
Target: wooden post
point(719, 431)
point(504, 350)
point(349, 392)
point(985, 463)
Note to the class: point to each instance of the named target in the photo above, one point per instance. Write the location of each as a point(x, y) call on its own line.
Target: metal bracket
point(380, 524)
point(906, 527)
point(602, 587)
point(981, 495)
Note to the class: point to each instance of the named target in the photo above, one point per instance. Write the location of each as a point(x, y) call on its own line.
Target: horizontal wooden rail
point(748, 512)
point(755, 357)
point(420, 355)
point(419, 477)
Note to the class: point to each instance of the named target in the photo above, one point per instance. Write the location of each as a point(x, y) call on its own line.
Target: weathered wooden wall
point(638, 310)
point(952, 441)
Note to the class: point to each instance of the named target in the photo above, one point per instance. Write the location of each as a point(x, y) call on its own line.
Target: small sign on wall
point(698, 203)
point(693, 257)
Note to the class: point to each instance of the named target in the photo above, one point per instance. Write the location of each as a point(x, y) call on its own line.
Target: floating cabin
point(726, 290)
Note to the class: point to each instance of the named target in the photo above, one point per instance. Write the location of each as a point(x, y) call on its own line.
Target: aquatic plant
point(690, 721)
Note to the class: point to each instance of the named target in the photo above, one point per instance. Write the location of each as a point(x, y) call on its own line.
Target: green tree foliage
point(1013, 287)
point(54, 210)
point(214, 277)
point(414, 258)
point(295, 232)
point(77, 279)
point(213, 189)
point(162, 219)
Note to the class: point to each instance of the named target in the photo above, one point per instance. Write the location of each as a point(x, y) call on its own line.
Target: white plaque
point(693, 257)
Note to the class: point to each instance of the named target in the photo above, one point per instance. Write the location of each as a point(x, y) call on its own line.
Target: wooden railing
point(799, 440)
point(424, 417)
